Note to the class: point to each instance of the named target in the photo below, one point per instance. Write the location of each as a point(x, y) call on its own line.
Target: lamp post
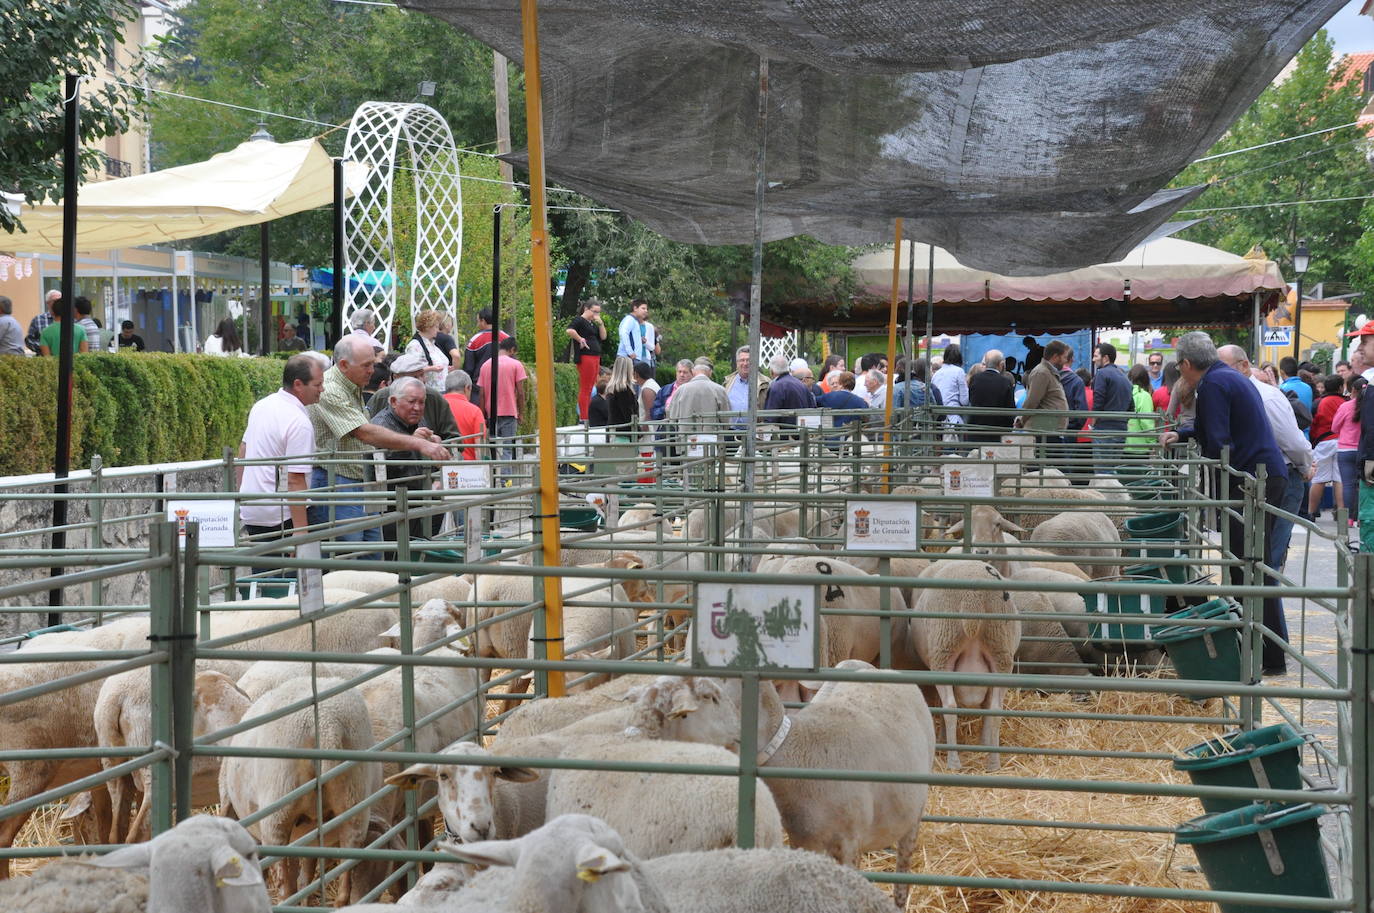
point(264, 264)
point(1301, 260)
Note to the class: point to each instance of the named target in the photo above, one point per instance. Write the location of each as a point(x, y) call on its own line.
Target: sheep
point(123, 718)
point(850, 725)
point(969, 642)
point(660, 813)
point(579, 864)
point(354, 631)
point(29, 725)
point(509, 638)
point(536, 717)
point(204, 864)
point(1056, 647)
point(1030, 482)
point(587, 618)
point(1110, 486)
point(434, 687)
point(770, 560)
point(986, 532)
point(249, 784)
point(1031, 516)
point(846, 636)
point(453, 588)
point(1091, 527)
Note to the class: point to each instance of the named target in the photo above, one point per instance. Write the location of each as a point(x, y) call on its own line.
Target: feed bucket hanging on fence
point(1166, 525)
point(1121, 629)
point(1264, 758)
point(1209, 654)
point(1262, 848)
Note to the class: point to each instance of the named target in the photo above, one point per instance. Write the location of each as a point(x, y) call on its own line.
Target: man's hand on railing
point(1167, 438)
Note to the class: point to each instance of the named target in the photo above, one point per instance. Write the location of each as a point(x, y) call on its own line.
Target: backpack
point(1300, 412)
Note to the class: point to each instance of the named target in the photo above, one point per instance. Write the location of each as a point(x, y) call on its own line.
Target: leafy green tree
point(1313, 97)
point(44, 42)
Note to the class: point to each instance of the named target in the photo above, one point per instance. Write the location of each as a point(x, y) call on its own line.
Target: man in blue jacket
point(1231, 414)
point(1111, 393)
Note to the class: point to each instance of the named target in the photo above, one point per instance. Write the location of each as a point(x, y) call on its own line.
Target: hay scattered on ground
point(1044, 854)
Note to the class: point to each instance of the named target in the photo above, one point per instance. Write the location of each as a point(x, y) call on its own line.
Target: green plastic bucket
point(1259, 759)
point(1121, 628)
point(1261, 848)
point(265, 587)
point(1208, 654)
point(582, 518)
point(1166, 525)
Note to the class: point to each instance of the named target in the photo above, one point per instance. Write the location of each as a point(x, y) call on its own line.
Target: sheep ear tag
point(231, 868)
point(596, 861)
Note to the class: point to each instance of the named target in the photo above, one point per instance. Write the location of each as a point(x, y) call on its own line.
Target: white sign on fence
point(808, 419)
point(1278, 336)
point(881, 525)
point(1003, 458)
point(969, 479)
point(755, 626)
point(466, 476)
point(216, 519)
point(310, 580)
point(696, 444)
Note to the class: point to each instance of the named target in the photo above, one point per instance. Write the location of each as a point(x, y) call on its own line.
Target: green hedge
point(148, 408)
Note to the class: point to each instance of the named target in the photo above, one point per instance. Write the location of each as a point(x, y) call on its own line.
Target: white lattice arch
point(379, 131)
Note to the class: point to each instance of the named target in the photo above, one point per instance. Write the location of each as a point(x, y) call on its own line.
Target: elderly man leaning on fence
point(405, 415)
point(1230, 414)
point(699, 398)
point(1292, 444)
point(786, 392)
point(341, 427)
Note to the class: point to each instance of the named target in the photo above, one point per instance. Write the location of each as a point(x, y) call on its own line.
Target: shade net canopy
point(1025, 136)
point(254, 182)
point(1163, 283)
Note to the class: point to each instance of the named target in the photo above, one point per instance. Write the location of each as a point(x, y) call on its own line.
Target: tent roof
point(1171, 283)
point(1024, 136)
point(257, 181)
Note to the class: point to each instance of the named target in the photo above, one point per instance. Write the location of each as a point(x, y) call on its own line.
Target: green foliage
point(316, 60)
point(1328, 166)
point(43, 43)
point(132, 409)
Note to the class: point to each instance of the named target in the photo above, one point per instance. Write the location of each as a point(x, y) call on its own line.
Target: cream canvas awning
point(257, 181)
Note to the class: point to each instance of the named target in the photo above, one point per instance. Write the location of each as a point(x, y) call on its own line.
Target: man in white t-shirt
point(279, 427)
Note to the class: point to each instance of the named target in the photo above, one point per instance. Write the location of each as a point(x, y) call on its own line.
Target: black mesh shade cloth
point(1025, 137)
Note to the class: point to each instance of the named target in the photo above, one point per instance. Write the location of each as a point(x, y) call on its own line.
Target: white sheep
point(1111, 487)
point(578, 864)
point(1053, 646)
point(29, 725)
point(877, 726)
point(1030, 516)
point(123, 718)
point(454, 588)
point(1094, 529)
point(353, 631)
point(248, 784)
point(969, 642)
point(846, 636)
point(550, 714)
point(204, 864)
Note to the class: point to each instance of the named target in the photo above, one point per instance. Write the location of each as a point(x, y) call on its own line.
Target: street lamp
point(1301, 260)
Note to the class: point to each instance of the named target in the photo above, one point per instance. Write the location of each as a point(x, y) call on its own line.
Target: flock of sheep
point(563, 838)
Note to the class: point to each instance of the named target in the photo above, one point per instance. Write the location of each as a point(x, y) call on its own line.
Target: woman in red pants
point(586, 332)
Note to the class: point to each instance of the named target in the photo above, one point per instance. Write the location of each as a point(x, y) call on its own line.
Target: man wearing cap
point(1365, 454)
point(438, 416)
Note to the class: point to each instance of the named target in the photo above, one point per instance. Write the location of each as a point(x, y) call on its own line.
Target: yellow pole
point(892, 350)
point(543, 343)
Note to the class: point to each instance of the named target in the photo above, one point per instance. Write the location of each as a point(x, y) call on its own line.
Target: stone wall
point(136, 488)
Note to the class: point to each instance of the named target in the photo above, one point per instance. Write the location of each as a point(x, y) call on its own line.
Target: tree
point(1330, 165)
point(45, 42)
point(318, 61)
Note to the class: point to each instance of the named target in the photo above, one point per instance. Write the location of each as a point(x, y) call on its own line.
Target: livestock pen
point(1083, 809)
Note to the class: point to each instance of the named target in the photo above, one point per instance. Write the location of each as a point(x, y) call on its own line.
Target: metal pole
point(1257, 343)
point(930, 317)
point(891, 351)
point(1297, 322)
point(162, 606)
point(265, 293)
point(543, 343)
point(495, 332)
point(71, 173)
point(1361, 746)
point(911, 348)
point(182, 667)
point(756, 293)
point(501, 88)
point(340, 280)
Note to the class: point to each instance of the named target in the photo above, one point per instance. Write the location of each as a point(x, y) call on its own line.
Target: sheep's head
point(635, 590)
point(434, 620)
point(986, 535)
point(466, 791)
point(205, 863)
point(685, 709)
point(573, 864)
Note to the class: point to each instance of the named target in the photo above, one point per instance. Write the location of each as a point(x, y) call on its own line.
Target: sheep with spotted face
point(971, 639)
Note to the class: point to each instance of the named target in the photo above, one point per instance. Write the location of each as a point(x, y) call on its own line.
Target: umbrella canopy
point(255, 182)
point(1165, 282)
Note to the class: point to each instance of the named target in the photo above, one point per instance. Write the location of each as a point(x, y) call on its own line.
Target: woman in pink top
point(1346, 425)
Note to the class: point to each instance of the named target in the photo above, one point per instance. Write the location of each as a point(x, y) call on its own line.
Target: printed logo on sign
point(861, 524)
point(182, 515)
point(755, 627)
